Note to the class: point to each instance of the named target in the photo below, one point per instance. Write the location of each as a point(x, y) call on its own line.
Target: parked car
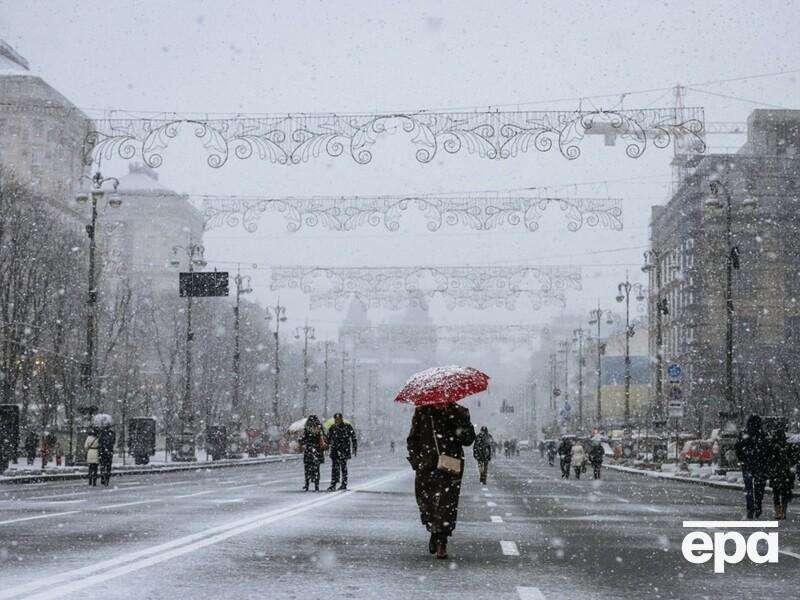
point(698, 451)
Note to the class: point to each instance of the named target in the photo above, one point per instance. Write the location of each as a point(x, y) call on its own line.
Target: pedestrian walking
point(392, 446)
point(313, 443)
point(541, 449)
point(92, 447)
point(596, 456)
point(752, 450)
point(106, 438)
point(59, 453)
point(782, 459)
point(436, 453)
point(551, 453)
point(31, 446)
point(565, 457)
point(578, 459)
point(482, 451)
point(341, 436)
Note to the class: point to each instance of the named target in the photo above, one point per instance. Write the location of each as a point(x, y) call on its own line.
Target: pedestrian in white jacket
point(578, 459)
point(92, 447)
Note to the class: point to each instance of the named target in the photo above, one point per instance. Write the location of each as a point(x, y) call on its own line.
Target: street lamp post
point(564, 347)
point(596, 318)
point(186, 451)
point(280, 316)
point(325, 405)
point(242, 287)
point(308, 334)
point(624, 295)
point(341, 394)
point(94, 195)
point(652, 259)
point(578, 338)
point(718, 189)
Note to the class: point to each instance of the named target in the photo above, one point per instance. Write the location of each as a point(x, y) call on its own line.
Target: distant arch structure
point(293, 139)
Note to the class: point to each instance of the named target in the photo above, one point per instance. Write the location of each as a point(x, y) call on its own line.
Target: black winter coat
point(107, 438)
point(753, 453)
point(482, 450)
point(453, 429)
point(339, 439)
point(782, 458)
point(312, 446)
point(596, 454)
point(565, 450)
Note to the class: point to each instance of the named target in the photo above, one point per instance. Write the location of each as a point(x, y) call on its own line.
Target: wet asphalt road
point(250, 532)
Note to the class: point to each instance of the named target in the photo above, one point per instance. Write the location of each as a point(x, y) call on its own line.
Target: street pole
point(596, 316)
point(280, 316)
point(242, 287)
point(624, 295)
point(308, 333)
point(341, 395)
point(653, 263)
point(325, 406)
point(370, 377)
point(578, 333)
point(355, 362)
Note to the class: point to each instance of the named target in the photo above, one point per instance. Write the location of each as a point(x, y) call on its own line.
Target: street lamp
point(242, 287)
point(279, 313)
point(308, 334)
point(596, 316)
point(577, 337)
point(720, 192)
point(625, 289)
point(652, 264)
point(94, 195)
point(194, 257)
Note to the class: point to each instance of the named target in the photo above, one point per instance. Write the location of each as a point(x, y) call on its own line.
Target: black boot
point(305, 487)
point(316, 485)
point(432, 543)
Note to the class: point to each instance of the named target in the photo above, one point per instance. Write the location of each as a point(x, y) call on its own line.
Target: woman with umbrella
point(440, 429)
point(313, 444)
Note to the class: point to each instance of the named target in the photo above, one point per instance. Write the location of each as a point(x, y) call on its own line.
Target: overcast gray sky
point(294, 56)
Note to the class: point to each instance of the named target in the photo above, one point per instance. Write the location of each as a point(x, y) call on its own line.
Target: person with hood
point(565, 456)
point(106, 439)
point(578, 459)
point(436, 453)
point(482, 451)
point(340, 437)
point(92, 447)
point(781, 476)
point(596, 456)
point(313, 443)
point(752, 450)
point(551, 452)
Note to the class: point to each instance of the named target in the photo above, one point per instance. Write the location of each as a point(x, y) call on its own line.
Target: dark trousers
point(93, 473)
point(311, 467)
point(596, 468)
point(105, 471)
point(437, 498)
point(338, 466)
point(483, 468)
point(781, 495)
point(754, 491)
point(565, 464)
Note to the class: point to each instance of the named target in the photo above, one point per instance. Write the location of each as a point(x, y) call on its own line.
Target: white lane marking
point(107, 506)
point(48, 497)
point(491, 504)
point(484, 489)
point(59, 502)
point(787, 553)
point(487, 494)
point(241, 487)
point(509, 548)
point(496, 519)
point(529, 593)
point(47, 516)
point(84, 577)
point(203, 493)
point(231, 501)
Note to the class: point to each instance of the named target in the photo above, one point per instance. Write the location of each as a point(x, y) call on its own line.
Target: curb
point(196, 466)
point(658, 475)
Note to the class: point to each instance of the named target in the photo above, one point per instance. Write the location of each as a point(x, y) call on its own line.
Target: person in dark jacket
point(551, 452)
point(340, 437)
point(438, 431)
point(482, 451)
point(106, 438)
point(782, 459)
point(752, 450)
point(313, 443)
point(596, 456)
point(565, 457)
point(31, 446)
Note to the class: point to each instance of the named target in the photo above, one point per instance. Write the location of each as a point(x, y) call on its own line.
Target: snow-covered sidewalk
point(696, 474)
point(22, 473)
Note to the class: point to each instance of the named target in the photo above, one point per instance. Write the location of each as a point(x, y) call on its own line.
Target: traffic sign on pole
point(674, 372)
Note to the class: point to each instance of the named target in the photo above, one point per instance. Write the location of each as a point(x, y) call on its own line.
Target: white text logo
point(700, 546)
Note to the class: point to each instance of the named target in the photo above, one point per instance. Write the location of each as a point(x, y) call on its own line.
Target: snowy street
point(239, 533)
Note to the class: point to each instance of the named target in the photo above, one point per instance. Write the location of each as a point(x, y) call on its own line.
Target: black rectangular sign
point(214, 283)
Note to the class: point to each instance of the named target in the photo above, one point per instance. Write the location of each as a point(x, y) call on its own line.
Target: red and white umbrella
point(442, 385)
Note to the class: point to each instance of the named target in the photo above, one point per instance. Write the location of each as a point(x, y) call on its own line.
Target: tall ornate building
point(41, 133)
point(689, 242)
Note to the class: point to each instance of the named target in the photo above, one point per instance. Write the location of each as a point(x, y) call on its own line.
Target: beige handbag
point(449, 464)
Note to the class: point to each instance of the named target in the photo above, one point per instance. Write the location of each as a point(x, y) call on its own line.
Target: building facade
point(42, 134)
point(690, 255)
